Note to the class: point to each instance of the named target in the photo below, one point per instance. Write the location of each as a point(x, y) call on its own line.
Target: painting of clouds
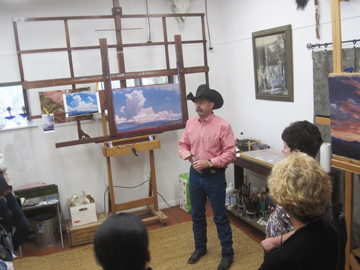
point(147, 109)
point(81, 103)
point(344, 96)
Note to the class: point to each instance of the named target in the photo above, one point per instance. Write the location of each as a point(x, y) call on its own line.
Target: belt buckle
point(212, 171)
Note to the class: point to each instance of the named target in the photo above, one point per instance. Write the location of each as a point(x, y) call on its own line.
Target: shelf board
point(252, 222)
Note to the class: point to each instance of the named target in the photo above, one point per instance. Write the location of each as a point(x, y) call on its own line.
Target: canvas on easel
point(344, 96)
point(147, 109)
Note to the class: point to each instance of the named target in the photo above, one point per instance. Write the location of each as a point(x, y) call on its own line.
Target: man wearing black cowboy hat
point(208, 143)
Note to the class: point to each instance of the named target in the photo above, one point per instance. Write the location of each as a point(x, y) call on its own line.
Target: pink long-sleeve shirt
point(211, 138)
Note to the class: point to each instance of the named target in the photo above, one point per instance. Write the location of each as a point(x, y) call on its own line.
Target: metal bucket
point(46, 229)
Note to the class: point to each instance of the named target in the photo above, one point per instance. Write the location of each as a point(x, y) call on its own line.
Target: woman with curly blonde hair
point(302, 188)
point(304, 137)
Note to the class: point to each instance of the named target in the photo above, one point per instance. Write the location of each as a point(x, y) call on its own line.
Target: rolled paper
point(325, 156)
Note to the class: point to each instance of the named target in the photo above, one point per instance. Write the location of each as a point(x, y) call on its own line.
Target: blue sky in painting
point(81, 103)
point(147, 104)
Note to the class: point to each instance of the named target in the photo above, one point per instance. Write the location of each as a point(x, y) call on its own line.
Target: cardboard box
point(83, 214)
point(184, 193)
point(83, 234)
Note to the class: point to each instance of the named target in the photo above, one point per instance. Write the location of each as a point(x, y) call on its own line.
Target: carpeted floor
point(170, 249)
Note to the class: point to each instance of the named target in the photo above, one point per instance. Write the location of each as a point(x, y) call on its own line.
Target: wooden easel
point(124, 146)
point(133, 146)
point(349, 165)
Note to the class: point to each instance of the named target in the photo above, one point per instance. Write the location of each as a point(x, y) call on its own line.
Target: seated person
point(303, 189)
point(122, 242)
point(11, 214)
point(301, 136)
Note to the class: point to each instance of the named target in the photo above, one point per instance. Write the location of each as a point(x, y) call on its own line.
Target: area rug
point(170, 248)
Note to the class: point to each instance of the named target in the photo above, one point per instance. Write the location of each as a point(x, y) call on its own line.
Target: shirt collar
point(208, 119)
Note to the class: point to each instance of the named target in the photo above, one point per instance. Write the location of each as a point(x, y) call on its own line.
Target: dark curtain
point(322, 67)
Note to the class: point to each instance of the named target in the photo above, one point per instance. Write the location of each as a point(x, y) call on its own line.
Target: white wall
point(31, 154)
point(261, 119)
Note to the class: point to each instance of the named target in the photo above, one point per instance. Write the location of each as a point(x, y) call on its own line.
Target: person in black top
point(11, 214)
point(302, 188)
point(122, 242)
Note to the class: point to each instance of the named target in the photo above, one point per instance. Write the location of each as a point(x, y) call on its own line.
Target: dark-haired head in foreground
point(302, 136)
point(122, 242)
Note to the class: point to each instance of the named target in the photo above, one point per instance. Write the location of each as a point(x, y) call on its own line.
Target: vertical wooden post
point(167, 58)
point(336, 35)
point(107, 86)
point(153, 179)
point(204, 49)
point(117, 12)
point(180, 66)
point(21, 70)
point(68, 46)
point(349, 208)
point(112, 205)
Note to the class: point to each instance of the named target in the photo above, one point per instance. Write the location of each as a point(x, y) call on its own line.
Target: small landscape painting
point(82, 103)
point(52, 102)
point(344, 96)
point(147, 109)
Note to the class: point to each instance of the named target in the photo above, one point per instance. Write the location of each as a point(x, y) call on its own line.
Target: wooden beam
point(84, 141)
point(134, 204)
point(112, 46)
point(132, 16)
point(107, 86)
point(153, 180)
point(353, 262)
point(180, 66)
point(112, 204)
point(204, 50)
point(126, 149)
point(116, 76)
point(346, 164)
point(117, 12)
point(349, 208)
point(336, 35)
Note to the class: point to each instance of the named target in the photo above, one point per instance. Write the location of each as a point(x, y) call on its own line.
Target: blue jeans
point(213, 186)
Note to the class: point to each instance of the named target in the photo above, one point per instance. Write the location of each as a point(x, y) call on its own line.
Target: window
point(154, 80)
point(12, 106)
point(138, 82)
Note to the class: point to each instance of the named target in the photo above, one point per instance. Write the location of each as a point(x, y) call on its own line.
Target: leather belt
point(213, 170)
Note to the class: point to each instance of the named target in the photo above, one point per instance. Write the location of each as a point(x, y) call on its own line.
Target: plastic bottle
point(229, 194)
point(192, 158)
point(230, 189)
point(241, 136)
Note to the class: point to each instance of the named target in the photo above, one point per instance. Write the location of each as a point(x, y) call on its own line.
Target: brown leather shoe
point(195, 257)
point(225, 264)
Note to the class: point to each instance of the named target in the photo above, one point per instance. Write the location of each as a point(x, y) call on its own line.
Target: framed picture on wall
point(273, 64)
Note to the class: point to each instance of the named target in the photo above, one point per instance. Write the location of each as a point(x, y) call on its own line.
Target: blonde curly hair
point(300, 186)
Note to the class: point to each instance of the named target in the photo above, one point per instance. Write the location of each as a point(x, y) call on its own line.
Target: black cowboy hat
point(204, 91)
